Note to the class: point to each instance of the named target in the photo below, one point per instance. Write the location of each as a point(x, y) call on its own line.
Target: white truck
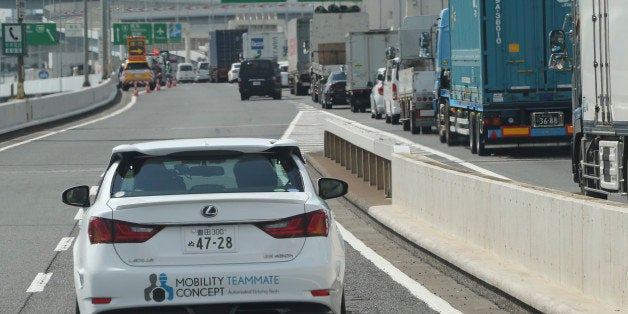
point(408, 54)
point(365, 53)
point(327, 39)
point(264, 45)
point(416, 97)
point(600, 98)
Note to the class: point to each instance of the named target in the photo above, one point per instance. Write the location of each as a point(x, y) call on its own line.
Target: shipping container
point(225, 48)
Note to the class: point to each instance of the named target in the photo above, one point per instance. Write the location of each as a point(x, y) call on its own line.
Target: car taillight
point(394, 92)
point(380, 90)
point(312, 224)
point(103, 230)
point(336, 86)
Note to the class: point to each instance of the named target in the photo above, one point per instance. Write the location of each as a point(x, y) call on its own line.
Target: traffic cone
point(147, 87)
point(158, 86)
point(135, 92)
point(168, 83)
point(174, 81)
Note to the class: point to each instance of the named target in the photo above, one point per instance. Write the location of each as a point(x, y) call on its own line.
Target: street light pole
point(104, 5)
point(20, 57)
point(85, 46)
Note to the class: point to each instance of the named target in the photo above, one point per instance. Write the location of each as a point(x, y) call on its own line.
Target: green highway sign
point(41, 34)
point(122, 30)
point(160, 33)
point(13, 39)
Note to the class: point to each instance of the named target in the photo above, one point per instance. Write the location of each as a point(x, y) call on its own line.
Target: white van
point(202, 72)
point(391, 83)
point(185, 72)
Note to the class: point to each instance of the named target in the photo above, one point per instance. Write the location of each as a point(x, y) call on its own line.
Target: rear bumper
point(176, 286)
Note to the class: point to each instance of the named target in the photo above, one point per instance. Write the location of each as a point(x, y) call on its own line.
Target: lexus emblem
point(209, 211)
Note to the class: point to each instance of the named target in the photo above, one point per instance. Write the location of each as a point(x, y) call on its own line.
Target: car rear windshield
point(200, 173)
point(137, 66)
point(185, 68)
point(257, 69)
point(204, 66)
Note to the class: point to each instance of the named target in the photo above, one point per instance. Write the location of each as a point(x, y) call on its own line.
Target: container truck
point(225, 48)
point(365, 53)
point(501, 91)
point(327, 39)
point(298, 56)
point(264, 45)
point(600, 98)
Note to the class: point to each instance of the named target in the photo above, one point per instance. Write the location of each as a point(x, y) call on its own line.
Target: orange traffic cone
point(147, 87)
point(158, 86)
point(168, 83)
point(174, 81)
point(135, 92)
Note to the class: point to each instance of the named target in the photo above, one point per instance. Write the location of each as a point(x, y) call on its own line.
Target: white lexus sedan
point(213, 225)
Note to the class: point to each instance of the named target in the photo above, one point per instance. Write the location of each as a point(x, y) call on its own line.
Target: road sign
point(73, 29)
point(136, 46)
point(160, 33)
point(41, 34)
point(43, 74)
point(122, 30)
point(174, 33)
point(13, 39)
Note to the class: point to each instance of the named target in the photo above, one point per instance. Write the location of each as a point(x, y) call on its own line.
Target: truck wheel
point(406, 124)
point(394, 119)
point(277, 95)
point(125, 87)
point(388, 119)
point(449, 136)
point(481, 149)
point(414, 129)
point(353, 106)
point(426, 129)
point(472, 135)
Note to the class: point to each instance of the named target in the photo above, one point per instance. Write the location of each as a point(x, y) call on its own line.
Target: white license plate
point(209, 239)
point(547, 119)
point(257, 83)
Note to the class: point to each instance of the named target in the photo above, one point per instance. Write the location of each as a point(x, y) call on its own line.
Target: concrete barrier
point(29, 112)
point(555, 251)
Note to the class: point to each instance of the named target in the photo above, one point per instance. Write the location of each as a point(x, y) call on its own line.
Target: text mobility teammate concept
point(13, 39)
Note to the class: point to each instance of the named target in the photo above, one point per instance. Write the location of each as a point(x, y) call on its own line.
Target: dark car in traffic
point(335, 90)
point(259, 77)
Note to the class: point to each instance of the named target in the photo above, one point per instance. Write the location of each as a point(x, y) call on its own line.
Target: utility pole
point(20, 57)
point(85, 46)
point(104, 5)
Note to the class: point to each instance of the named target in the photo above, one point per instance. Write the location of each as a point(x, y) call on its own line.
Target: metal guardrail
point(372, 168)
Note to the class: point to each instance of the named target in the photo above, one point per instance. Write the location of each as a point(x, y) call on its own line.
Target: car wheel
point(125, 87)
point(378, 116)
point(243, 97)
point(426, 129)
point(343, 306)
point(277, 95)
point(406, 124)
point(387, 119)
point(394, 119)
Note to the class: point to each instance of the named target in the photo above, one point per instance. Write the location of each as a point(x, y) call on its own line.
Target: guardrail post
point(359, 159)
point(380, 173)
point(372, 169)
point(387, 178)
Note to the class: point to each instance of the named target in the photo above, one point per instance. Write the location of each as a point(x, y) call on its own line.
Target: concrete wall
point(575, 241)
point(20, 114)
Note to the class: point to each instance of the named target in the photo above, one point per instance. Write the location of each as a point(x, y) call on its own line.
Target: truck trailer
point(225, 48)
point(600, 99)
point(365, 53)
point(298, 56)
point(264, 45)
point(501, 92)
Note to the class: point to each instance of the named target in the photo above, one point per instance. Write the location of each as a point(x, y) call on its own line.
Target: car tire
point(343, 305)
point(378, 116)
point(394, 119)
point(277, 95)
point(387, 119)
point(243, 97)
point(125, 87)
point(406, 124)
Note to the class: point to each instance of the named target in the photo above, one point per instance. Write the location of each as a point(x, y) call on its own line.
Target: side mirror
point(558, 59)
point(331, 188)
point(77, 196)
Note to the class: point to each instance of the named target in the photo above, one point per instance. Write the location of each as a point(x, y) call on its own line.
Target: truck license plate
point(209, 239)
point(547, 119)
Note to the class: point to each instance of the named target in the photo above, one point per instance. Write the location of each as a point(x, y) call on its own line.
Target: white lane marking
point(415, 288)
point(292, 125)
point(39, 283)
point(424, 148)
point(64, 244)
point(79, 214)
point(113, 114)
